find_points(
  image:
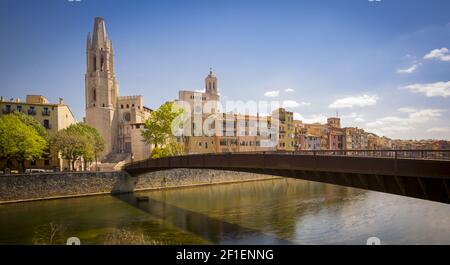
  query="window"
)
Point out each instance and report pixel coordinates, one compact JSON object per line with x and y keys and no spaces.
{"x":127,"y":116}
{"x":94,"y":94}
{"x":19,"y":108}
{"x":95,"y":63}
{"x":206,"y":144}
{"x":199,"y":143}
{"x":128,"y":106}
{"x":47,"y":124}
{"x":46,"y":112}
{"x":121,"y":106}
{"x":31,"y":111}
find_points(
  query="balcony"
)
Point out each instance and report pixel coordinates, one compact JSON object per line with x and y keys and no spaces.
{"x":45,"y":113}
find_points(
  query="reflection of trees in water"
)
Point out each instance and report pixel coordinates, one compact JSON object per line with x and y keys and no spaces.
{"x":211,"y":229}
{"x":274,"y":206}
{"x":123,"y":236}
{"x":49,"y":234}
{"x":55,"y":234}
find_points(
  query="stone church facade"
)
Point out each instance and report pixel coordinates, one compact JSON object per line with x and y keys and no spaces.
{"x":118,"y":119}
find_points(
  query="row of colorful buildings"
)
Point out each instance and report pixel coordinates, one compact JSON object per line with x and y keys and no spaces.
{"x":207,"y":130}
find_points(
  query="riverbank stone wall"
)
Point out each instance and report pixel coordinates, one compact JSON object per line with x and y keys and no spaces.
{"x":42,"y":186}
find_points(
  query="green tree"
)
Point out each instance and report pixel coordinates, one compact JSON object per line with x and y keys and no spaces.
{"x":77,"y":141}
{"x":30,"y":121}
{"x":70,"y":145}
{"x":20,"y":141}
{"x":172,"y":148}
{"x":158,"y":130}
{"x":96,"y":144}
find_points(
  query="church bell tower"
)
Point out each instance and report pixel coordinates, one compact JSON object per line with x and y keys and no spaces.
{"x":101,"y":87}
{"x":211,"y":85}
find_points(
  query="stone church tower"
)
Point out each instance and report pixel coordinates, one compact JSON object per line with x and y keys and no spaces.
{"x":101,"y":87}
{"x":211,"y":86}
{"x":118,"y":119}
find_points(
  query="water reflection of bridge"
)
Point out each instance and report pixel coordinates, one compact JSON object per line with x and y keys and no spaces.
{"x":423,"y":174}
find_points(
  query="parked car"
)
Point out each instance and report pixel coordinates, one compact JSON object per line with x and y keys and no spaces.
{"x":35,"y":170}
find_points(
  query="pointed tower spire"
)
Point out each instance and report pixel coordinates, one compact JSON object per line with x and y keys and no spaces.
{"x":99,"y":36}
{"x":88,"y":41}
{"x":101,"y":86}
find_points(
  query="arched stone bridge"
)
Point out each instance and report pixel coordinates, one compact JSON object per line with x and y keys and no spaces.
{"x":423,"y":174}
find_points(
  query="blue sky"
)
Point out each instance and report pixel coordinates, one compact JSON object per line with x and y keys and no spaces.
{"x":383,"y":66}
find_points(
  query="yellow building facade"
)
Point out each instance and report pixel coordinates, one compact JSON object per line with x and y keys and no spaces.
{"x":52,"y":116}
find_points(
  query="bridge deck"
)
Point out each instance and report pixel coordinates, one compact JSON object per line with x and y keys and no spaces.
{"x":414,"y":177}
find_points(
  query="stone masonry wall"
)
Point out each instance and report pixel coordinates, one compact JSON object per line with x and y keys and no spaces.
{"x":16,"y":188}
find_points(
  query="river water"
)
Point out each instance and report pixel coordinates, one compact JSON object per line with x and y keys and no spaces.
{"x":280,"y":211}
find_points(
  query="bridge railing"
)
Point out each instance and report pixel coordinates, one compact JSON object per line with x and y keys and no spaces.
{"x":393,"y":154}
{"x":404,"y":154}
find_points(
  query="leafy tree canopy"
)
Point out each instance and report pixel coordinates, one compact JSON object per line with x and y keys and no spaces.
{"x":158,"y":130}
{"x":20,"y":141}
{"x":77,"y":141}
{"x":29,"y":120}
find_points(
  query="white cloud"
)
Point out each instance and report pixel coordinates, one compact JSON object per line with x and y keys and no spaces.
{"x":272,"y":94}
{"x":294,"y":104}
{"x":439,"y":89}
{"x":396,"y":124}
{"x":350,"y":102}
{"x":318,"y":118}
{"x":355,"y":116}
{"x":439,"y":130}
{"x":409,"y":70}
{"x":289,"y":90}
{"x":394,"y":128}
{"x":407,"y":110}
{"x":439,"y":54}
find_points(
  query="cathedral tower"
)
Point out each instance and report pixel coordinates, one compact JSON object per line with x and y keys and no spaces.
{"x":211,"y":85}
{"x":101,"y":87}
{"x":211,"y":93}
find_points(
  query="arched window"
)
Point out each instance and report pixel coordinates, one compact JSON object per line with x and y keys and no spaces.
{"x":95,"y":63}
{"x":94,"y":94}
{"x":102,"y":62}
{"x":214,"y":85}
